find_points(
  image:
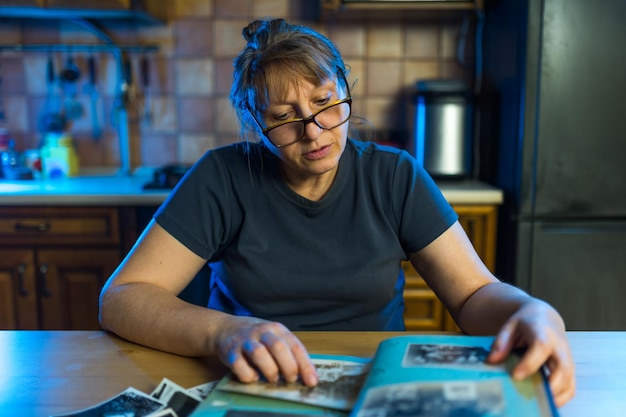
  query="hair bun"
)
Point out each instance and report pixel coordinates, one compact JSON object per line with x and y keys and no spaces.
{"x":260,"y":28}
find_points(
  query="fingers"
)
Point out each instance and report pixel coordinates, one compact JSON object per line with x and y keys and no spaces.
{"x":270,"y":351}
{"x":562,"y":382}
{"x":544,"y":345}
{"x":292,"y":358}
{"x":503,"y":344}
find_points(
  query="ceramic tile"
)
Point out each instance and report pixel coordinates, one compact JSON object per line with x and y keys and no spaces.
{"x":420,"y":70}
{"x":226,"y":120}
{"x":224,"y":139}
{"x":356,"y":76}
{"x":422,"y":41}
{"x":228,"y":40}
{"x":236,"y":9}
{"x":193,"y":37}
{"x":10,"y":32}
{"x":449,"y":44}
{"x":193,"y":146}
{"x":358,"y":109}
{"x":194,"y":8}
{"x":15,"y":113}
{"x":108,"y":75}
{"x":161,"y":75}
{"x":452,"y":69}
{"x":385,"y":41}
{"x":39,"y":31}
{"x":160,"y":35}
{"x":194,"y":77}
{"x":25,"y":141}
{"x":195,"y":114}
{"x":157,"y":150}
{"x":304,"y":10}
{"x":83,"y":124}
{"x":383,"y":78}
{"x":383,"y":113}
{"x":270,"y":8}
{"x":223,"y":75}
{"x":350,"y":39}
{"x":164,"y":118}
{"x":12,"y":71}
{"x":192,"y":71}
{"x":93,"y":153}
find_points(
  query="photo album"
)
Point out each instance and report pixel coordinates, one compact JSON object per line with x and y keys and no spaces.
{"x":412,"y":375}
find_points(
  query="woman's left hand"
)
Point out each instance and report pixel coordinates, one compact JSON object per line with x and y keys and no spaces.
{"x":539,"y":329}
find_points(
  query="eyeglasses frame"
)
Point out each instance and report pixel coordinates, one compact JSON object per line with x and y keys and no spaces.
{"x":306,"y":120}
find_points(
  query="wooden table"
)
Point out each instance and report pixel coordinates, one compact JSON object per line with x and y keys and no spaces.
{"x":53,"y":372}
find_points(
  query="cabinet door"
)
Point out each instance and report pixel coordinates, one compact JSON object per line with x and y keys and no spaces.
{"x":18,"y":293}
{"x":423,"y":310}
{"x":70,"y":281}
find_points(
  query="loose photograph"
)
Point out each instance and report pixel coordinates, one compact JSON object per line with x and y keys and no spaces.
{"x":339,"y":384}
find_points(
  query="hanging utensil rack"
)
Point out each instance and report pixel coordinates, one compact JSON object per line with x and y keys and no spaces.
{"x":119,"y":52}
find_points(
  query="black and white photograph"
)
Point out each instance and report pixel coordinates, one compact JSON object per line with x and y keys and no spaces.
{"x":444,"y":355}
{"x":176,"y":397}
{"x":130,"y":402}
{"x":435,"y":399}
{"x":338,"y":386}
{"x":203,"y":390}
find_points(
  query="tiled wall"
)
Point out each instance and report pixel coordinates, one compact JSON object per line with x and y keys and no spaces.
{"x":190,"y":75}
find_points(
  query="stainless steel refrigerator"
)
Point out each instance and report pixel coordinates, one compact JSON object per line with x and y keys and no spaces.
{"x":553,"y":136}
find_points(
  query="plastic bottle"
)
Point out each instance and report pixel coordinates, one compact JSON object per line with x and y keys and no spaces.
{"x":58,"y":156}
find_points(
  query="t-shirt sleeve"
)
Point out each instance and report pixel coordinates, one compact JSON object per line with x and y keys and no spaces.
{"x":199,"y":212}
{"x":424,"y":213}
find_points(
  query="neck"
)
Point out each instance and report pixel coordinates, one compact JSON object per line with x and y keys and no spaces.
{"x":313,"y":188}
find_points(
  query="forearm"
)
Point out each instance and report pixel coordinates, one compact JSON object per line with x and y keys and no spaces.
{"x":151,"y":316}
{"x":488,"y":308}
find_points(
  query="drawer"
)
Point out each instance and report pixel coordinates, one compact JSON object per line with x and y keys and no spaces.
{"x":59,"y":226}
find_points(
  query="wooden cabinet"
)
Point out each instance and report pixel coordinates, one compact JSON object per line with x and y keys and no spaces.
{"x":53,"y":263}
{"x":423,"y":310}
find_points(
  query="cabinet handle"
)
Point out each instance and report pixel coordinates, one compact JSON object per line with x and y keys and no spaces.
{"x":20,"y":279}
{"x":25,"y":227}
{"x":45,"y":291}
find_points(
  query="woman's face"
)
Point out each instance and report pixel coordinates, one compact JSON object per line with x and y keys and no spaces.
{"x":318,"y":152}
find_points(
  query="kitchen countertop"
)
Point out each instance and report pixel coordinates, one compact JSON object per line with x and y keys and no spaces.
{"x":118,"y":190}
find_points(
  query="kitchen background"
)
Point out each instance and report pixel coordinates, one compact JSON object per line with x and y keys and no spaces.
{"x":185,"y":109}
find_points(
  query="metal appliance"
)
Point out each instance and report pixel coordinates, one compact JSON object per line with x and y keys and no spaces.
{"x":444,"y":127}
{"x":558,"y":69}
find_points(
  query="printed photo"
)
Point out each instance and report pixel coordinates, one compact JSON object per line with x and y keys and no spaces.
{"x":130,"y":402}
{"x":338,"y":386}
{"x":433,"y":354}
{"x":443,"y":399}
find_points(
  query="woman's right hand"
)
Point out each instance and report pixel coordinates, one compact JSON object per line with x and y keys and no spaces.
{"x":253,"y":348}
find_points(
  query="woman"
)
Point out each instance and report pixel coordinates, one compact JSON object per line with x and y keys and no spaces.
{"x":305,"y":229}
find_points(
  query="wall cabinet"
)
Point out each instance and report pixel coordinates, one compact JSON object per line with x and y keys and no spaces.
{"x":53,"y":263}
{"x":423,"y":310}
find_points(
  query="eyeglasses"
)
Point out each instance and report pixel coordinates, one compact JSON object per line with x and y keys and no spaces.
{"x":291,"y":131}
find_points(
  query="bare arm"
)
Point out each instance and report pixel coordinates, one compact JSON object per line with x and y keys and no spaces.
{"x":139,"y":302}
{"x":481,"y":304}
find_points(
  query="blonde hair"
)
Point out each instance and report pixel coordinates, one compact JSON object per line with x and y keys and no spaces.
{"x":276,"y":56}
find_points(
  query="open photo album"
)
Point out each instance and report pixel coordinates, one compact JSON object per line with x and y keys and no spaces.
{"x":412,"y":375}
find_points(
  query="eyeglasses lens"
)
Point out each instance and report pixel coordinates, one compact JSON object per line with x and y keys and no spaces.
{"x":329,"y":118}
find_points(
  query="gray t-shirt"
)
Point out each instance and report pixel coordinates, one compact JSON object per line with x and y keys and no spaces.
{"x":332,"y":264}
